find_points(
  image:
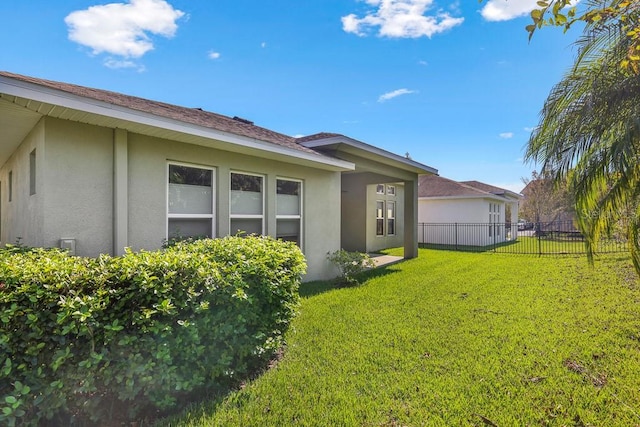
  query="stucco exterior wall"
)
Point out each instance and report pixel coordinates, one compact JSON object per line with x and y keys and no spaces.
{"x":22,"y":217}
{"x":375,"y":242}
{"x":147,"y":199}
{"x":354,"y":208}
{"x":459,"y":222}
{"x":78,"y":186}
{"x":75,"y":192}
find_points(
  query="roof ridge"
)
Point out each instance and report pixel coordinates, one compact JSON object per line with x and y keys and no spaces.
{"x":196,"y":116}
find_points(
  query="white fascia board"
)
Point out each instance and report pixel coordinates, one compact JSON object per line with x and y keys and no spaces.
{"x":370,"y":149}
{"x":75,"y":102}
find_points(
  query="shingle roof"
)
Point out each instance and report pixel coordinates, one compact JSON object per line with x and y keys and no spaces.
{"x":488,"y":188}
{"x":316,"y":136}
{"x":193,"y":116}
{"x":484,"y":187}
{"x":437,"y":186}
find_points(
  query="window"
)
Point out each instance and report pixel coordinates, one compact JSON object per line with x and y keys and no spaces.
{"x":10,"y":185}
{"x":391,"y":218}
{"x":380,"y":189}
{"x":247,"y":203}
{"x":190,"y":202}
{"x":32,"y":173}
{"x":289,"y":210}
{"x":391,"y":190}
{"x":379,"y":218}
{"x":494,"y":219}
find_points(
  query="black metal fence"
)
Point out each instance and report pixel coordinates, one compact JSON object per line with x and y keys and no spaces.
{"x":543,"y":238}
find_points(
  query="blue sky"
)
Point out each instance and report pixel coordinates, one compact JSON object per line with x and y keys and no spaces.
{"x":456,"y":84}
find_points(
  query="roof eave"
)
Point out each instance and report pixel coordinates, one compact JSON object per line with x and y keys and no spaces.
{"x":399,"y":161}
{"x":32,"y":91}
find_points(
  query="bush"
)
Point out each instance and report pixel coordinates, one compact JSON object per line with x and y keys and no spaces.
{"x":350,"y":265}
{"x":111,"y":338}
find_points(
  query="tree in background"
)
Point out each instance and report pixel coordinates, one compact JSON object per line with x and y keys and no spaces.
{"x":621,"y":15}
{"x":545,"y":200}
{"x":589,"y":131}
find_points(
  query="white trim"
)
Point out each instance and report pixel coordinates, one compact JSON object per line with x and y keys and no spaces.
{"x":341,"y":139}
{"x":299,"y":217}
{"x":214,"y":194}
{"x":248,"y":216}
{"x":387,"y":217}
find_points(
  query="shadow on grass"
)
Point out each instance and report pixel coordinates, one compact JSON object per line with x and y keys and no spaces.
{"x":310,"y":289}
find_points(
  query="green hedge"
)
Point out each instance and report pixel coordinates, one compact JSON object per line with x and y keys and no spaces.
{"x":115,"y":337}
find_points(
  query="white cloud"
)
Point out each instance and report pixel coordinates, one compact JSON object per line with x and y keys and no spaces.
{"x":529,"y":129}
{"x":118,"y":63}
{"x":400,"y":19}
{"x":213,"y":55}
{"x":390,"y":95}
{"x":421,"y":62}
{"x":263,"y":44}
{"x":123,"y":29}
{"x":504,"y":10}
{"x":506,"y":135}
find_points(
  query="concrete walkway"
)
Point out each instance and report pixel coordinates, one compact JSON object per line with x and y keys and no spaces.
{"x":383,"y":260}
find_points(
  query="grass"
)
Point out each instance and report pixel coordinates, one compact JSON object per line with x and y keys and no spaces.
{"x":455,"y":339}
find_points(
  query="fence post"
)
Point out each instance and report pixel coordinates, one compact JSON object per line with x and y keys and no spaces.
{"x":539,"y":235}
{"x":456,"y":234}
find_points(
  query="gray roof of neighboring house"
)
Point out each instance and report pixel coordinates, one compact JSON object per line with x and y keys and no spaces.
{"x":438,"y":187}
{"x":491,"y":188}
{"x":194,"y":116}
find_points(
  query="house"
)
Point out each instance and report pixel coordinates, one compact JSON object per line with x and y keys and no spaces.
{"x":475,"y":213}
{"x":96,"y":172}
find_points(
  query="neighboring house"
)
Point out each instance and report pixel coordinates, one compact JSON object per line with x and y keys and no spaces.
{"x":97,"y":171}
{"x":476,"y":212}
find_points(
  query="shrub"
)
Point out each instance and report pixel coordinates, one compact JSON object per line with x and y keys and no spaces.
{"x":350,"y":265}
{"x":111,"y":338}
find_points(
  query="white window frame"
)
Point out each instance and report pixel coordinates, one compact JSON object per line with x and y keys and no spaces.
{"x":391,"y":190}
{"x":248,"y":216}
{"x":380,"y":217}
{"x":494,"y":219}
{"x":210,"y":216}
{"x":380,"y":189}
{"x":391,"y":218}
{"x":300,"y":216}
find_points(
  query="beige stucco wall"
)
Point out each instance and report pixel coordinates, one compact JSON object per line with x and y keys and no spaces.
{"x":147,"y":199}
{"x":20,"y":217}
{"x":354,"y":206}
{"x":75,"y":192}
{"x":78,"y":186}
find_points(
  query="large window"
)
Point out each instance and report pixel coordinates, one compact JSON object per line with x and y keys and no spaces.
{"x":190,"y":202}
{"x":391,"y":218}
{"x":247,"y":203}
{"x":379,"y":218}
{"x":289,"y":210}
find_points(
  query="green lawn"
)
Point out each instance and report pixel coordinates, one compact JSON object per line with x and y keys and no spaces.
{"x":453,"y":339}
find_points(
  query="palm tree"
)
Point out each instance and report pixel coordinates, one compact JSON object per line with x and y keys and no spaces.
{"x":589,"y":135}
